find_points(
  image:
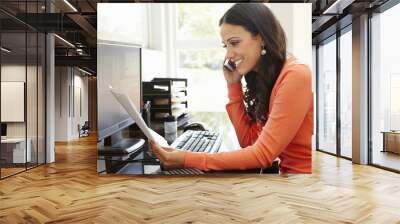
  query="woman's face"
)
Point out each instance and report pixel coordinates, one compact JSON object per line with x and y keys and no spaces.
{"x":241,"y":47}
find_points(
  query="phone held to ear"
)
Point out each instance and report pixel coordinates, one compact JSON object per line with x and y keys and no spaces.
{"x":230,"y":65}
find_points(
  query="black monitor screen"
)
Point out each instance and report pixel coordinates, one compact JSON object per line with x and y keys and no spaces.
{"x":3,"y":129}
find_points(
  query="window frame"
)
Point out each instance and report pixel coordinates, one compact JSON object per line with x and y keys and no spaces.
{"x":334,"y":37}
{"x":371,"y":14}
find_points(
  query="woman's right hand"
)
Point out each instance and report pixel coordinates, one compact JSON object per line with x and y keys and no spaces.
{"x":231,"y":77}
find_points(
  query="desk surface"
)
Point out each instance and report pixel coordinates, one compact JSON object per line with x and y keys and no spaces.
{"x":390,"y":132}
{"x":13,"y":140}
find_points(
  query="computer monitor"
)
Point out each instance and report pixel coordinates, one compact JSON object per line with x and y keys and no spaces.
{"x":3,"y":129}
{"x":119,"y":66}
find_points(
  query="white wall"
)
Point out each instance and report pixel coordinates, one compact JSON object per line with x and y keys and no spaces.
{"x":33,"y":126}
{"x":156,"y":28}
{"x":62,"y":81}
{"x":67,"y":115}
{"x":295,"y":20}
{"x":302,"y":32}
{"x":14,"y":73}
{"x":153,"y":64}
{"x":314,"y":89}
{"x":284,"y":13}
{"x":80,"y":83}
{"x":157,"y":44}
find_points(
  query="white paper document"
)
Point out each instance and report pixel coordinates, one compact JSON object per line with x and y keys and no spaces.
{"x":126,"y":103}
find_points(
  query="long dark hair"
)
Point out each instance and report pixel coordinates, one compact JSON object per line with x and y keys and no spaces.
{"x":258,"y":19}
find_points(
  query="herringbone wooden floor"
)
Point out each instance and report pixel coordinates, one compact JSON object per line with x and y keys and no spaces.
{"x":70,"y":191}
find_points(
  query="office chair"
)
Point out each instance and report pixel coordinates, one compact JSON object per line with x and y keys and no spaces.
{"x":84,"y":130}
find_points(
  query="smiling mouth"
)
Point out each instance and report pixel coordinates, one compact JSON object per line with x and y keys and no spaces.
{"x":237,"y":63}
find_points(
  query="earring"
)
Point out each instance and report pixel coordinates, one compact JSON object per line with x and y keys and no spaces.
{"x":263,"y":51}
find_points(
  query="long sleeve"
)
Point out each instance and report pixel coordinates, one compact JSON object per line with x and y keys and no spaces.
{"x":247,"y":133}
{"x":290,"y":106}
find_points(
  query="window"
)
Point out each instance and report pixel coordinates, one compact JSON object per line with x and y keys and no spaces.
{"x":327,"y":96}
{"x":199,"y":54}
{"x":394,"y":101}
{"x":203,"y":71}
{"x":385,"y":87}
{"x":192,"y":25}
{"x":22,"y":65}
{"x":346,"y":93}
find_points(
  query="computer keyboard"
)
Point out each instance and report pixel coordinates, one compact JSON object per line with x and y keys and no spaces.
{"x":198,"y":141}
{"x":195,"y":141}
{"x":210,"y":142}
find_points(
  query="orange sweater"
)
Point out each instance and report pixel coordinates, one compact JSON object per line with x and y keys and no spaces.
{"x":286,"y":134}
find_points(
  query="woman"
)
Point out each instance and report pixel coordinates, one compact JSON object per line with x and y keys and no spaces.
{"x":274,"y":116}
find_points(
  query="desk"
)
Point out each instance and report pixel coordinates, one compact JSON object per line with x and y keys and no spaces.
{"x":132,"y":163}
{"x":216,"y":121}
{"x":13,"y":150}
{"x":391,"y":141}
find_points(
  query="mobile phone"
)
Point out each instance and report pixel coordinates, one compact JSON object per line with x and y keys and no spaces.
{"x":230,"y":65}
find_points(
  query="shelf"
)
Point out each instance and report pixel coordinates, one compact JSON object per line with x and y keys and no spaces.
{"x":168,"y":96}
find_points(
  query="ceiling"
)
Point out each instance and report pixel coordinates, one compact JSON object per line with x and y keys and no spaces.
{"x":76,"y":24}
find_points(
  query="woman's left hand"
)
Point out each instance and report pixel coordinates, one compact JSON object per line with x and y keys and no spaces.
{"x":170,"y":158}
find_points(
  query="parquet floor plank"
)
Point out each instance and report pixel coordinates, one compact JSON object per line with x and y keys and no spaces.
{"x":70,"y":191}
